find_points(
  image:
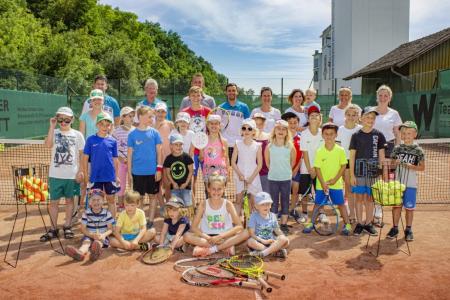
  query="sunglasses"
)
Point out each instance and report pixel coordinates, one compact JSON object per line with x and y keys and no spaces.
{"x":63,"y":120}
{"x":98,"y":192}
{"x":246,"y":128}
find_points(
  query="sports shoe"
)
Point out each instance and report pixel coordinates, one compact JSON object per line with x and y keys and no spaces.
{"x":200,"y":251}
{"x":370,"y":229}
{"x":323,"y":218}
{"x":346,"y":229}
{"x":74,"y":253}
{"x":294,"y":213}
{"x":96,"y":250}
{"x":377,"y":222}
{"x":303,"y":218}
{"x":308,"y":228}
{"x":409,"y":235}
{"x":257,"y":253}
{"x":392,"y":233}
{"x":358,"y":229}
{"x":284,"y":228}
{"x":282,"y":253}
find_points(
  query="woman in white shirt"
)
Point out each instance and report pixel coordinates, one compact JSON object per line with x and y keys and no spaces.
{"x":297,"y":98}
{"x":337,"y":112}
{"x":271,"y":113}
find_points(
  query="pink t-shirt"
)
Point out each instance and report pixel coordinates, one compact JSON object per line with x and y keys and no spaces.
{"x":214,"y":159}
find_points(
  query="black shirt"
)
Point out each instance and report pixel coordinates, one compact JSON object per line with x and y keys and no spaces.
{"x":179,"y":167}
{"x":367,"y":146}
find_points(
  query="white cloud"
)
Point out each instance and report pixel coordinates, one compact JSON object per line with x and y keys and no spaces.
{"x":427,"y":17}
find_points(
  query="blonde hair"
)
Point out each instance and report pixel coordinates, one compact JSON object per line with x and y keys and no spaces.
{"x":182,"y":210}
{"x":345,"y":89}
{"x":355,"y":107}
{"x":150,"y":82}
{"x":216,"y":177}
{"x":132,"y":197}
{"x":195,"y":89}
{"x":384,"y":88}
{"x":312,"y":90}
{"x":143,"y":110}
{"x":287,"y":139}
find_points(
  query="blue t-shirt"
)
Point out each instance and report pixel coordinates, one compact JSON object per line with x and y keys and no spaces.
{"x":110,"y":105}
{"x":238,"y":113}
{"x":144,"y":143}
{"x":153,"y":105}
{"x":173,"y":228}
{"x":263,"y":227}
{"x":239,"y":106}
{"x":101,"y":152}
{"x":90,"y":124}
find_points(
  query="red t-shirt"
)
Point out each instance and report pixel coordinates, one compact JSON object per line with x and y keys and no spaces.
{"x":198,"y":120}
{"x":298,"y":152}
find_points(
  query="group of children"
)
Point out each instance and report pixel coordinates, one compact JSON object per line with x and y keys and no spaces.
{"x":157,"y":158}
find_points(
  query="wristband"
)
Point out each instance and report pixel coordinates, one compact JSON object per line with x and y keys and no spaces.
{"x":159,"y":169}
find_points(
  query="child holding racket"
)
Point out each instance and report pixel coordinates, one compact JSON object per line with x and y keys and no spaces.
{"x":178,"y":170}
{"x":145,"y":159}
{"x":120,"y":133}
{"x":330,"y":163}
{"x":366,"y":153}
{"x":214,"y":156}
{"x":345,"y":132}
{"x":280,"y":159}
{"x":412,"y":158}
{"x":130,"y":232}
{"x":176,"y":224}
{"x":101,"y":149}
{"x":216,"y":226}
{"x":96,"y":226}
{"x":266,"y":238}
{"x":246,"y":169}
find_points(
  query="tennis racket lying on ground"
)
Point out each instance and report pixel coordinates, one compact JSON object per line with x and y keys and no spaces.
{"x":325,"y":218}
{"x":156,"y":255}
{"x":200,"y":276}
{"x":224,"y":114}
{"x":184,"y":264}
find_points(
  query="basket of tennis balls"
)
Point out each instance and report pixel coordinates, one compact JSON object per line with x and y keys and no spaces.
{"x":388,"y":193}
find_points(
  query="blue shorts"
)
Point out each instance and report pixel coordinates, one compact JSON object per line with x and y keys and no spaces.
{"x":110,"y":187}
{"x":197,"y":164}
{"x":129,"y":236}
{"x":360,"y":189}
{"x":409,"y":198}
{"x":105,"y":242}
{"x":296,"y":178}
{"x":337,"y":197}
{"x":185,"y":195}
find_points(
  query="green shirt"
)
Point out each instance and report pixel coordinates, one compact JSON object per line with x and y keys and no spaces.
{"x":329,"y":163}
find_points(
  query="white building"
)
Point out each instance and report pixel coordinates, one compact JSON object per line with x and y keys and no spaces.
{"x":361,"y":31}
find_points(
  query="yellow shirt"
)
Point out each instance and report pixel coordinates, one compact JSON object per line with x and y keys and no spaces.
{"x":329,"y":163}
{"x":131,"y":225}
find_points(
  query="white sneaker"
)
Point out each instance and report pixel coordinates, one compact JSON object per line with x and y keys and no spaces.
{"x":378,"y":211}
{"x":323,"y":218}
{"x":303,"y":218}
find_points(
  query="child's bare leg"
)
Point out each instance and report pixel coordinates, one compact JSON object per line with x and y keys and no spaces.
{"x":251,"y":202}
{"x":359,"y":207}
{"x":195,"y":240}
{"x":53,"y":212}
{"x":370,"y":207}
{"x":152,"y":207}
{"x":255,"y":245}
{"x":349,"y":195}
{"x":115,"y":243}
{"x":280,"y":243}
{"x":69,"y":212}
{"x":409,"y":216}
{"x":294,"y":195}
{"x":141,"y":202}
{"x":85,"y":246}
{"x":396,"y":213}
{"x":234,"y":240}
{"x":344,"y":215}
{"x":112,"y":205}
{"x":179,"y":242}
{"x":148,"y":236}
{"x":238,"y":203}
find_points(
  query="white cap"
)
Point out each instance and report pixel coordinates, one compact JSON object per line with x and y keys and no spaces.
{"x":161,"y":106}
{"x":249,"y":122}
{"x":281,"y":123}
{"x":96,"y":94}
{"x":262,"y":197}
{"x":126,"y":110}
{"x":67,"y":111}
{"x":183,"y":116}
{"x":212,"y":118}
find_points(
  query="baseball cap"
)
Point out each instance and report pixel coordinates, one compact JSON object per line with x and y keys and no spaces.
{"x":96,"y":94}
{"x":259,"y":115}
{"x":212,"y":118}
{"x":176,"y":138}
{"x":174,"y":201}
{"x":313,"y":109}
{"x":409,"y":124}
{"x":249,"y":122}
{"x":330,"y":125}
{"x":262,"y":197}
{"x":281,"y":123}
{"x":161,"y":106}
{"x":289,"y":115}
{"x":369,"y":109}
{"x":67,"y":111}
{"x":104,"y":116}
{"x":126,"y":110}
{"x":183,"y":116}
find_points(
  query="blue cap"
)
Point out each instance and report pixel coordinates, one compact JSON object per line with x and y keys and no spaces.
{"x":263,"y":197}
{"x":176,"y":138}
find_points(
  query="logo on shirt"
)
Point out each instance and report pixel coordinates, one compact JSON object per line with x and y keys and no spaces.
{"x":139,"y":142}
{"x":177,"y":170}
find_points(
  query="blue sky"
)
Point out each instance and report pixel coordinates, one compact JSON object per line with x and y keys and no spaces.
{"x":257,"y":42}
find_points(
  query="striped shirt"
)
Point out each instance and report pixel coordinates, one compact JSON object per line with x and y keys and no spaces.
{"x":121,"y":136}
{"x":94,"y":221}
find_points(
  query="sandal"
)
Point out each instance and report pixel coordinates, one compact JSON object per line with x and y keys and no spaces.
{"x":68,"y":233}
{"x":96,"y":250}
{"x":51,"y":234}
{"x":74,"y":253}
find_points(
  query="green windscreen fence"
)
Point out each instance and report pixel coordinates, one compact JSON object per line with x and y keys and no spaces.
{"x":26,"y":114}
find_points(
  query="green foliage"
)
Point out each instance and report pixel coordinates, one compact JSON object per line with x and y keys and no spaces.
{"x":77,"y":39}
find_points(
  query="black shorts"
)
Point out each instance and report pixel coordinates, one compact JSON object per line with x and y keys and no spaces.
{"x":230,"y":154}
{"x":145,"y":184}
{"x":348,"y":164}
{"x":304,"y":183}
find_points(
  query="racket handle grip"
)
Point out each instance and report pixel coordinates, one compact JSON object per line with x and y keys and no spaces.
{"x":251,"y":285}
{"x":265,"y":285}
{"x":276,"y":275}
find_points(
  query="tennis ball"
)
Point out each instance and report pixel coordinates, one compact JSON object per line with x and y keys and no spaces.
{"x":402,"y":187}
{"x":37,"y":181}
{"x":398,"y":200}
{"x":44,"y":195}
{"x":30,"y":198}
{"x":44,"y":186}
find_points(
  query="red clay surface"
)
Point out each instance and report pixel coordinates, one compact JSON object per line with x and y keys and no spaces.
{"x":317,"y":267}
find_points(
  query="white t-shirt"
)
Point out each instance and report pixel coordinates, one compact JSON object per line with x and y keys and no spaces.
{"x":345,"y":135}
{"x":386,"y":123}
{"x":271,"y":116}
{"x":66,"y":154}
{"x":303,"y":118}
{"x":338,"y":115}
{"x":187,"y":139}
{"x":310,"y":143}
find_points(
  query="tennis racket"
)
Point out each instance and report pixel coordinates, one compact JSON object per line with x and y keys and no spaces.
{"x":184,"y":264}
{"x":325,"y":218}
{"x":156,"y":255}
{"x":225,"y":116}
{"x":246,"y":206}
{"x":192,"y":277}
